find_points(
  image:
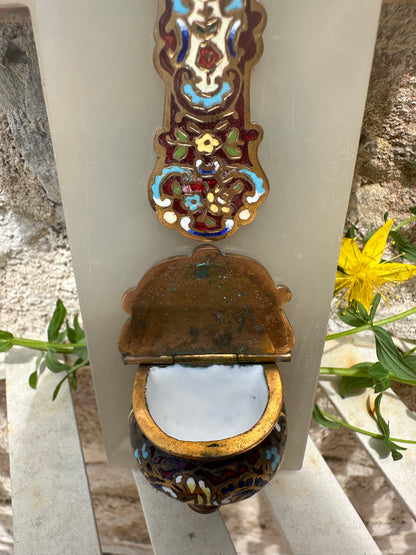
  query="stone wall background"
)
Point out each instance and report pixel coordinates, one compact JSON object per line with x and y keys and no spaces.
{"x":35,"y":262}
{"x":385,"y":172}
{"x":36,"y":269}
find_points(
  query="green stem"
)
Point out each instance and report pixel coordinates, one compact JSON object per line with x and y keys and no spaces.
{"x":404,"y":222}
{"x":353,"y":372}
{"x":370,"y":325}
{"x":409,"y":352}
{"x":64,"y":348}
{"x":365,"y":432}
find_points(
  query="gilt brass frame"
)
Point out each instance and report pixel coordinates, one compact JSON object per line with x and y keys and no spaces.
{"x":209,"y":449}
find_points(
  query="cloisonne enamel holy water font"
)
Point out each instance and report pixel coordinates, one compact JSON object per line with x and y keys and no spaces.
{"x":208,"y":424}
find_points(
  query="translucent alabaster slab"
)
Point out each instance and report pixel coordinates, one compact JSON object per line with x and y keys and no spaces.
{"x":104,"y":102}
{"x":205,"y":404}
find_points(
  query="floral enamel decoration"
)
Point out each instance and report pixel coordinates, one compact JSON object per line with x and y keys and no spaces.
{"x":363,"y":273}
{"x":207,"y":180}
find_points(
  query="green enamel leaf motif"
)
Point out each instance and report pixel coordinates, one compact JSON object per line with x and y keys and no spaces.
{"x":180,"y":152}
{"x":232,"y":151}
{"x":232,"y":136}
{"x":176,"y":188}
{"x":181,"y":135}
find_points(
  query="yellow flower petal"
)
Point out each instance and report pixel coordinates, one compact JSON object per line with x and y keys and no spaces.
{"x":361,"y":273}
{"x":361,"y":291}
{"x":374,"y":248}
{"x":341,"y":281}
{"x":394,"y":272}
{"x":350,"y":255}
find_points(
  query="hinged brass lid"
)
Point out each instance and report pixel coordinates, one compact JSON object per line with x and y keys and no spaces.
{"x":213,"y":305}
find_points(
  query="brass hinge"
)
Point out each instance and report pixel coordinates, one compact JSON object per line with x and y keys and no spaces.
{"x":208,"y":358}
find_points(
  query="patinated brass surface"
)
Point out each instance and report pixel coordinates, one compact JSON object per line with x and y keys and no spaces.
{"x":206,"y":304}
{"x":209,"y":449}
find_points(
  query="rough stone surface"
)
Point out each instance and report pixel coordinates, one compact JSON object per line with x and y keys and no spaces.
{"x":6,"y":521}
{"x":385,"y":173}
{"x":21,"y":97}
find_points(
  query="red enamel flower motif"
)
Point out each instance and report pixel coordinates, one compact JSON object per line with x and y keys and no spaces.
{"x":207,"y":57}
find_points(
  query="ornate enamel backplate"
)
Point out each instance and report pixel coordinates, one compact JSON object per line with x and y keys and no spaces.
{"x":207,"y":180}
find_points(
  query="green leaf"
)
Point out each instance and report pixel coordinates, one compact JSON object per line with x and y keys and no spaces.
{"x":56,"y":322}
{"x":58,"y":387}
{"x":381,"y":423}
{"x":410,"y":361}
{"x":362,"y":312}
{"x":413,"y":209}
{"x":71,"y":333}
{"x":374,"y":306}
{"x":378,"y":371}
{"x":54,"y":364}
{"x":78,"y":329}
{"x":385,"y":216}
{"x":61,"y":337}
{"x":351,"y":231}
{"x":38,"y":361}
{"x":406,"y":249}
{"x":5,"y":345}
{"x":33,"y":379}
{"x":351,"y":318}
{"x":180,"y":152}
{"x":233,"y":136}
{"x":180,"y":135}
{"x":235,"y":152}
{"x":70,"y":376}
{"x":384,"y":428}
{"x":351,"y":383}
{"x":355,"y":315}
{"x":390,"y":357}
{"x":362,"y":366}
{"x":323,"y":420}
{"x":82,"y":353}
{"x":75,"y":334}
{"x":393,"y":448}
{"x":381,"y":377}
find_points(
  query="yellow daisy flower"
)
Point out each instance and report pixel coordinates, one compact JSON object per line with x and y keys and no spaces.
{"x":207,"y":143}
{"x":362,"y":273}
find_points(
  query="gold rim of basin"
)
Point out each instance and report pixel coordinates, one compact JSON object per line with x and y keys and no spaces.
{"x":209,"y":449}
